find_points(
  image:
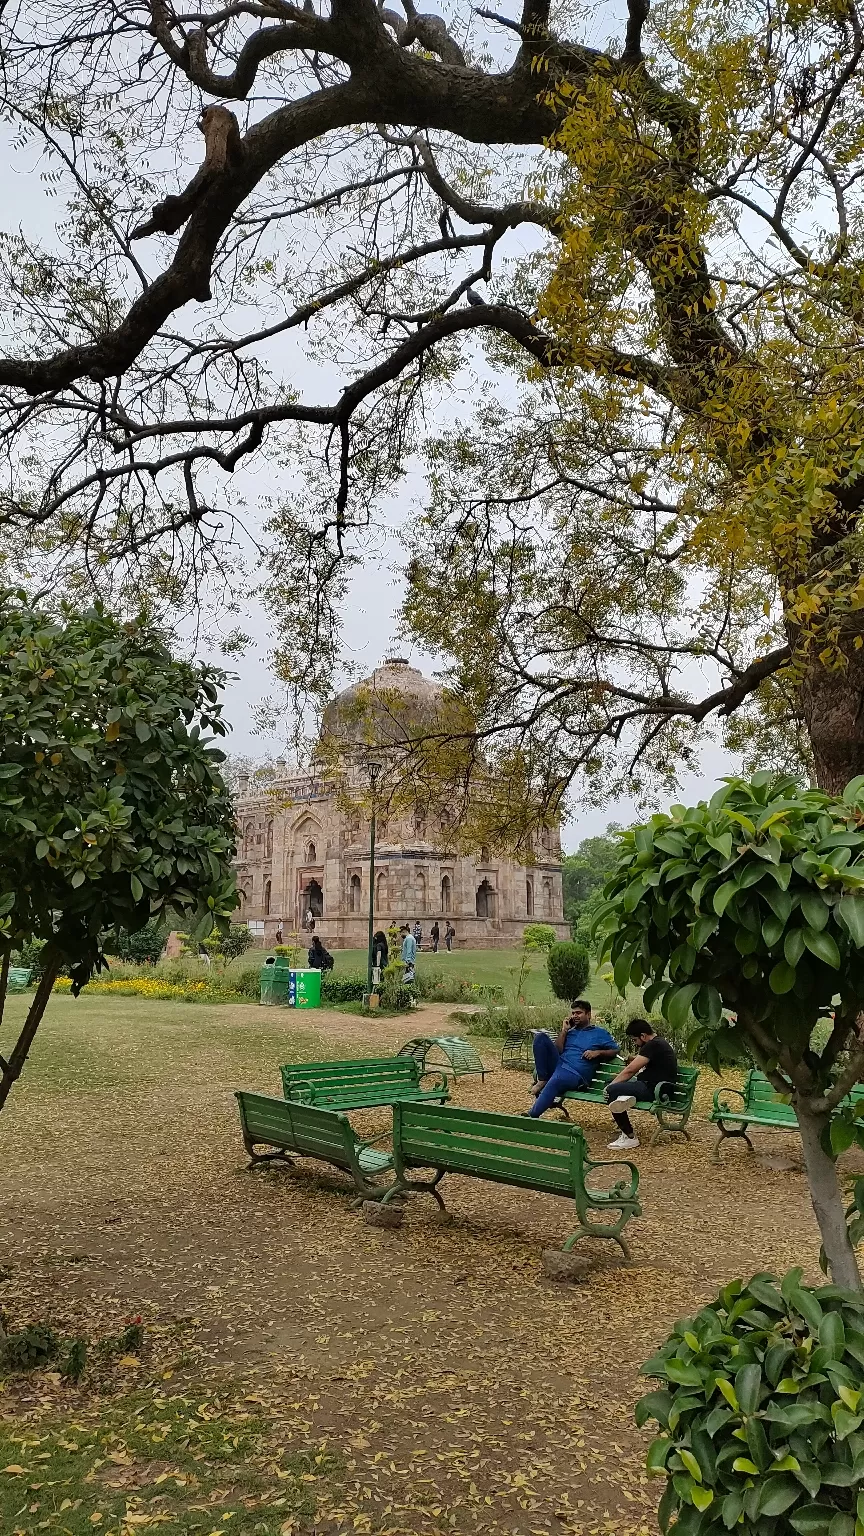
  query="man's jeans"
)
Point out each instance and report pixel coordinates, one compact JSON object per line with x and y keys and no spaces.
{"x":547,"y":1060}
{"x":631,"y":1089}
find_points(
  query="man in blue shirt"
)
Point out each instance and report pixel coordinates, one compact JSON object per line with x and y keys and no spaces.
{"x":570,"y":1061}
{"x":409,"y":952}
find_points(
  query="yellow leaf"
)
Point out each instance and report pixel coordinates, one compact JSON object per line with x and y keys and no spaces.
{"x":95,"y":1518}
{"x":113,"y":731}
{"x":131,"y":1362}
{"x":15,"y":1470}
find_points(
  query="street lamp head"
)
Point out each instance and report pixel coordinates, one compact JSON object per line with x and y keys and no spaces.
{"x":373,"y":769}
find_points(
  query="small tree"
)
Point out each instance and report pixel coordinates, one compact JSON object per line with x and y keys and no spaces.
{"x":755,"y":902}
{"x":112,"y":808}
{"x":569,"y":966}
{"x":143,"y":947}
{"x":227,"y":945}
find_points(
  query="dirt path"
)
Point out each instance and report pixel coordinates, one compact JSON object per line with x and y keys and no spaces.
{"x":466,"y":1391}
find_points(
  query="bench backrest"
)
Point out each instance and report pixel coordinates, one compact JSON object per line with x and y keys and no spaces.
{"x":404,"y":1071}
{"x":759,"y":1093}
{"x":298,"y":1128}
{"x":508,"y":1149}
{"x":460,"y":1055}
{"x":18,"y":977}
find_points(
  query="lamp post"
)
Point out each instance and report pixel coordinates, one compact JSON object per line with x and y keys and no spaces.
{"x":373,"y":770}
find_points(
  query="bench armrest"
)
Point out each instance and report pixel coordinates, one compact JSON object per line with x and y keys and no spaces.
{"x":718,"y":1096}
{"x":626,"y":1192}
{"x":663,"y":1092}
{"x":441,"y":1080}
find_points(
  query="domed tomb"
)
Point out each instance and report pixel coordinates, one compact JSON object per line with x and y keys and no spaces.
{"x":385,"y":709}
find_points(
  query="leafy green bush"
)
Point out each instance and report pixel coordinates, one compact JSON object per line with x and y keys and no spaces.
{"x":342,"y":989}
{"x":145,"y":946}
{"x":569,"y":966}
{"x":761,"y":1412}
{"x":538,"y":936}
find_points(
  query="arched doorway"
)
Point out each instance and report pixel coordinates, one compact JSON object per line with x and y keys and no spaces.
{"x":313,"y":899}
{"x":419,"y":891}
{"x":486,"y":899}
{"x":381,"y":902}
{"x":529,"y":898}
{"x":267,"y":889}
{"x":354,"y":893}
{"x":446,"y":894}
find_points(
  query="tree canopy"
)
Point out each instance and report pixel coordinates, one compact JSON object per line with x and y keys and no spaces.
{"x":112,"y":809}
{"x":657,"y":240}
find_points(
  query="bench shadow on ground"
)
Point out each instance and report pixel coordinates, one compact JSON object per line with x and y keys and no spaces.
{"x":463,"y":1389}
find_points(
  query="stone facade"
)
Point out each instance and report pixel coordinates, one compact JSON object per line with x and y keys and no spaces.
{"x":299,"y":850}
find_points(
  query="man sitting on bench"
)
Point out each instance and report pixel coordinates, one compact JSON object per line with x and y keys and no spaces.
{"x":569,"y":1061}
{"x":655,"y":1062}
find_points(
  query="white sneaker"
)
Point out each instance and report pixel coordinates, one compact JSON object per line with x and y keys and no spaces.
{"x":621,"y":1106}
{"x":624,"y":1144}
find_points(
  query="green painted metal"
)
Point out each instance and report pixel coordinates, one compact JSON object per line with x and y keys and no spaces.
{"x":516,"y":1053}
{"x":671,"y":1105}
{"x":757,"y":1103}
{"x":307,"y":1131}
{"x":460,"y":1056}
{"x":551,"y":1157}
{"x":365,"y":1084}
{"x":18,"y":978}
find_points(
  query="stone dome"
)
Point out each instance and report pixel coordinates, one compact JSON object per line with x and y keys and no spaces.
{"x":384,"y":708}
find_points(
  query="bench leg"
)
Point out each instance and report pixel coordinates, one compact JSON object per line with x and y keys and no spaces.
{"x":725,"y":1135}
{"x":401,"y":1191}
{"x":663,"y":1128}
{"x":257,"y":1158}
{"x":617,"y":1237}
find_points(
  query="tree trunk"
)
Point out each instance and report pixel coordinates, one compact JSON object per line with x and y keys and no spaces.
{"x":827,"y":1198}
{"x":12,"y":1069}
{"x":832,"y":705}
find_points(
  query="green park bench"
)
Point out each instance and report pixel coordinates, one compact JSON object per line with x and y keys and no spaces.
{"x":516,"y":1052}
{"x":671,"y":1105}
{"x":460,"y":1056}
{"x":364,"y":1084}
{"x":548,"y":1156}
{"x":758,"y":1104}
{"x":18,"y":979}
{"x":305,"y":1131}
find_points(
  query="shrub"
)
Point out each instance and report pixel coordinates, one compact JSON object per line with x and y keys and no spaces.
{"x":538,"y":936}
{"x":759,"y":1410}
{"x":569,"y":966}
{"x":145,"y":946}
{"x":498,"y":1023}
{"x":342,"y":989}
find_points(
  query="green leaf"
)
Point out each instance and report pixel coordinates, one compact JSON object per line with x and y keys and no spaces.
{"x":702,"y":1497}
{"x":748,"y":1385}
{"x":658,"y":1451}
{"x":845,"y":1423}
{"x":723,"y":896}
{"x":766,"y":1294}
{"x":850,"y":912}
{"x":814,"y":909}
{"x":772,"y":930}
{"x":78,"y":879}
{"x":676,"y":1003}
{"x":842,"y":1135}
{"x":683,"y":1374}
{"x":728,"y":1391}
{"x":654,"y":1405}
{"x":732,"y":1509}
{"x":691,"y":1464}
{"x":136,"y":887}
{"x":823,"y":947}
{"x":832,"y":1335}
{"x":780,"y":902}
{"x":812,"y":1520}
{"x":805,"y":1303}
{"x":782,"y":977}
{"x":778,"y":1494}
{"x":10,"y":770}
{"x":744,"y":1464}
{"x":793,"y":946}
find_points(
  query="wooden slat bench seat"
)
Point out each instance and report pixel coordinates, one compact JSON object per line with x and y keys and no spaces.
{"x":757,"y":1103}
{"x":671,"y":1105}
{"x":368,"y":1083}
{"x":305,"y":1131}
{"x":551,"y":1157}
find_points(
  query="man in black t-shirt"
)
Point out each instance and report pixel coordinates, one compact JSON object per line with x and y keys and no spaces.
{"x":655,"y":1062}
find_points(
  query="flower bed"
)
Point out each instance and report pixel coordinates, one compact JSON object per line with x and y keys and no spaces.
{"x":157,"y":990}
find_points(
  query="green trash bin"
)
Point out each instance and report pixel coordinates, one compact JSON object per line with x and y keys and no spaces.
{"x":304,"y":990}
{"x":275,"y":982}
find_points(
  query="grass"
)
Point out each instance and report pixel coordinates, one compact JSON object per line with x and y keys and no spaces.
{"x":148,"y":1459}
{"x":88,"y":1044}
{"x":486,"y":967}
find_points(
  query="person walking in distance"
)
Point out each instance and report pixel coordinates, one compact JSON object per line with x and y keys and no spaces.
{"x":449,"y":935}
{"x":408,"y":952}
{"x":435,"y":936}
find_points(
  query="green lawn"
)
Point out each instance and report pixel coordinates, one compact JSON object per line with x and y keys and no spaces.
{"x":487,"y":967}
